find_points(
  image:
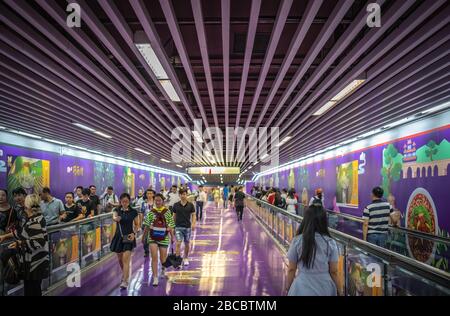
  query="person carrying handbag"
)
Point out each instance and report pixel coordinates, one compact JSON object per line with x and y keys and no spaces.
{"x":124,"y":240}
{"x":31,"y":242}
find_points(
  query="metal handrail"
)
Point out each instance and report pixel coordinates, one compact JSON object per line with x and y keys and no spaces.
{"x":420,"y":268}
{"x":55,"y":228}
{"x":391,"y":227}
{"x":394,"y":228}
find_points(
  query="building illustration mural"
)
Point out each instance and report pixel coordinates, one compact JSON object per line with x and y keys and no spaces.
{"x":413,"y":170}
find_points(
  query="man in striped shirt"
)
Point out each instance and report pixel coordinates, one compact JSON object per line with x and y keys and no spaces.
{"x":377,"y":216}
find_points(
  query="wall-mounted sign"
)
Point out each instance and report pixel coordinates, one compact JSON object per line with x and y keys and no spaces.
{"x":214,"y":170}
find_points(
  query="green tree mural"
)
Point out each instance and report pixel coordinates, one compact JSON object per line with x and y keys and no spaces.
{"x":392,"y":166}
{"x":303,"y":178}
{"x":432,"y":149}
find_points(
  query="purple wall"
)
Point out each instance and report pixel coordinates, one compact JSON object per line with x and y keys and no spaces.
{"x":435,"y":179}
{"x":65,"y":173}
{"x":249,"y":186}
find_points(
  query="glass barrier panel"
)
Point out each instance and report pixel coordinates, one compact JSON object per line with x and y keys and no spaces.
{"x":405,"y":283}
{"x":90,"y":243}
{"x":341,"y":266}
{"x":108,"y":231}
{"x":365,"y":274}
{"x":5,"y":288}
{"x":333,"y":220}
{"x":64,"y":249}
{"x":278,"y":226}
{"x":396,"y":241}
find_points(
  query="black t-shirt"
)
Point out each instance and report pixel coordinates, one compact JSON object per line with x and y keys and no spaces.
{"x":183,"y":218}
{"x":126,"y":220}
{"x":86,"y":208}
{"x":96,"y":202}
{"x":71,"y":212}
{"x":239,"y":198}
{"x":19,"y":215}
{"x":7,"y":219}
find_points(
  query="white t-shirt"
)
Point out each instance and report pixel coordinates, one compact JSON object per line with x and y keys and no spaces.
{"x":202,"y":197}
{"x":173,"y":198}
{"x":291,"y":204}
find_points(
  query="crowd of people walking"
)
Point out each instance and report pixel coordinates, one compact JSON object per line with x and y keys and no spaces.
{"x":165,"y":221}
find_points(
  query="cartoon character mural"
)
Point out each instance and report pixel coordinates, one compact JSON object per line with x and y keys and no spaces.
{"x":162,"y":182}
{"x":152,"y":183}
{"x":31,"y":174}
{"x":128,"y":181}
{"x":291,"y":180}
{"x":104,"y":175}
{"x":347,"y":183}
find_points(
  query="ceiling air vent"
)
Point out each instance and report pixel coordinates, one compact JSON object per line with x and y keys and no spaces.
{"x":259,"y":46}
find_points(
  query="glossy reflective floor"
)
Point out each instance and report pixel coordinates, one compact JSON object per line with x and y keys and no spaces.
{"x":227,"y":258}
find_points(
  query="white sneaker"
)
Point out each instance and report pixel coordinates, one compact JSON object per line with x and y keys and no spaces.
{"x":155,"y":281}
{"x":123,"y":285}
{"x":186,"y":262}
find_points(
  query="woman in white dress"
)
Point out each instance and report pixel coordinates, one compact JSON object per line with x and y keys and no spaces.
{"x":291,"y":202}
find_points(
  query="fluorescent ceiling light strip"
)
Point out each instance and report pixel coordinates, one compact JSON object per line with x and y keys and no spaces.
{"x":325,"y":108}
{"x":179,"y":166}
{"x":26,"y":134}
{"x":143,"y":151}
{"x":87,"y":128}
{"x":165,"y":160}
{"x":102,"y":134}
{"x":78,"y":147}
{"x":152,"y":60}
{"x":55,"y":141}
{"x":352,"y":86}
{"x":170,"y":90}
{"x":349,"y":89}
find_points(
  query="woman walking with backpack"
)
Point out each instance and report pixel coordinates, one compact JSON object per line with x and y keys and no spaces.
{"x":124,"y":240}
{"x":158,"y":232}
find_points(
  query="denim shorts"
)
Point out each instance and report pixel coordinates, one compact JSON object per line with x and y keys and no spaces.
{"x":183,"y":234}
{"x":377,"y":239}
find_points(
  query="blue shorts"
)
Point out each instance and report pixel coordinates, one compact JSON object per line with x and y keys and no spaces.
{"x":377,"y":239}
{"x":183,"y":234}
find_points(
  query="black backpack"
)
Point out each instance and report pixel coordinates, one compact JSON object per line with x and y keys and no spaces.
{"x":317,"y":201}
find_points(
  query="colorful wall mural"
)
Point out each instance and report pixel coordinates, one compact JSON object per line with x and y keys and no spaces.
{"x":412,"y":169}
{"x":33,"y":170}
